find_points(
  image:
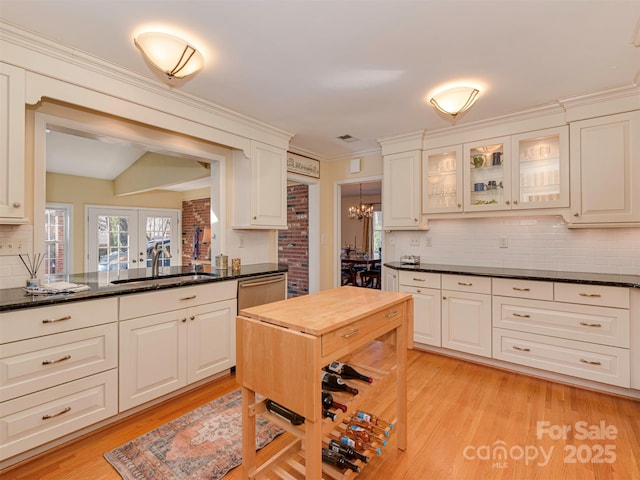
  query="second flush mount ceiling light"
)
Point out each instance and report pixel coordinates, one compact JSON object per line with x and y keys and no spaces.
{"x":173,"y":56}
{"x":454,"y":101}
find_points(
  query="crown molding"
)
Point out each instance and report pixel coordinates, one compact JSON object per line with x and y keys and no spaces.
{"x":210,"y":114}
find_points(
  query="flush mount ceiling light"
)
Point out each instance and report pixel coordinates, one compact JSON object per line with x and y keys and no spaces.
{"x":173,"y":56}
{"x":455,"y":100}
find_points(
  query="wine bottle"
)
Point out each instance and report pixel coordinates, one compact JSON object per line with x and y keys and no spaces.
{"x":357,"y":443}
{"x":284,"y":412}
{"x":335,"y":383}
{"x":365,"y":436}
{"x":337,"y":460}
{"x":347,"y":371}
{"x":349,"y":452}
{"x":329,"y":402}
{"x":368,"y":417}
{"x":329,"y":414}
{"x":375,"y":429}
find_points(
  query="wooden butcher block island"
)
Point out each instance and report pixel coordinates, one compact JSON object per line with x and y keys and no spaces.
{"x":282,"y":348}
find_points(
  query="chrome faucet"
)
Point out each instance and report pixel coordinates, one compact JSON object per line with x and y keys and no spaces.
{"x":155,"y":256}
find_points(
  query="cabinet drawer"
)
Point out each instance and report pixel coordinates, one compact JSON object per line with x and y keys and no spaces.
{"x":511,"y":287}
{"x":592,"y":294}
{"x":599,"y":363}
{"x":420,"y":279}
{"x":41,"y":417}
{"x":139,"y":305}
{"x":466,"y":283}
{"x":35,"y":322}
{"x":38,"y":363}
{"x":607,"y":326}
{"x":354,"y":332}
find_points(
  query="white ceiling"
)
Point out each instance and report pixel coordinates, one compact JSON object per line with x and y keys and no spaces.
{"x":324,"y":68}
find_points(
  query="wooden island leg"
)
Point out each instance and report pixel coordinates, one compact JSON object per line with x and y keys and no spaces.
{"x":248,"y":433}
{"x":401,"y":382}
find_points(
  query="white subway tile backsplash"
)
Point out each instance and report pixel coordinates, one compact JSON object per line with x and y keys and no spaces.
{"x":543,"y":243}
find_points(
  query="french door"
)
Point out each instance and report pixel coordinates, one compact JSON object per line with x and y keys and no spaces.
{"x":123,"y":238}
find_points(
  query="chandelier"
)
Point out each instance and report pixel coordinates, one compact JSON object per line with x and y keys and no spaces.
{"x":360,"y":211}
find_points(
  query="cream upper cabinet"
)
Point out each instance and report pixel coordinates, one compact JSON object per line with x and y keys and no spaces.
{"x":442,"y":180}
{"x":260,"y":188}
{"x":605,"y":169}
{"x":12,"y":139}
{"x":487,"y":174}
{"x":540,"y":169}
{"x":401,"y":191}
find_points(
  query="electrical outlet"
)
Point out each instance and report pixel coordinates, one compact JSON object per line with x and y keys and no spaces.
{"x":414,"y":242}
{"x":240,"y":241}
{"x":503,"y":242}
{"x":427,"y":241}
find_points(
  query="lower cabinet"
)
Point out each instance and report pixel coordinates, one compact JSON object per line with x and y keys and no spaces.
{"x":466,"y":314}
{"x":425,"y":288}
{"x":163,"y":352}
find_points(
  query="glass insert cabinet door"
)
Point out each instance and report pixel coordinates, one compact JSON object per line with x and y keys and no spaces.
{"x":487,"y":166}
{"x":442,"y":180}
{"x":541,"y":178}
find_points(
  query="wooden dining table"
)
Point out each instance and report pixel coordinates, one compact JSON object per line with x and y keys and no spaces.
{"x":352,"y":262}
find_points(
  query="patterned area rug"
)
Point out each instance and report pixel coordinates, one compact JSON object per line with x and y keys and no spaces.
{"x":203,"y":444}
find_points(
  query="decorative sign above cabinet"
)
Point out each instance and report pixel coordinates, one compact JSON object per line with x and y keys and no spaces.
{"x":303,"y":165}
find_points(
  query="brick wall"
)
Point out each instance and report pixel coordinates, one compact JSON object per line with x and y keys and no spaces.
{"x":195,"y":214}
{"x":293,"y":243}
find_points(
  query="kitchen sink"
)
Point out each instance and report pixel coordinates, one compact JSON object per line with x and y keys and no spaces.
{"x":165,"y":279}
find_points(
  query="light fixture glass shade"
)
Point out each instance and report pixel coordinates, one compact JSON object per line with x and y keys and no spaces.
{"x":455,"y":100}
{"x":169,"y":54}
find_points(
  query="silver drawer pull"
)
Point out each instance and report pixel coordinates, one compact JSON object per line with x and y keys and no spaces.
{"x":587,"y":324}
{"x":465,"y":284}
{"x":51,"y":362}
{"x":419,"y":279}
{"x":520,"y":289}
{"x":392,"y":313}
{"x":520,"y":349}
{"x":353,"y":332}
{"x":591,"y":295}
{"x":590,"y":362}
{"x":521,"y":315}
{"x":187,"y":298}
{"x":54,"y":320}
{"x":62,"y":412}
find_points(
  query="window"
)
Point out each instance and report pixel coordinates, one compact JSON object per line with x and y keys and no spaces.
{"x":57,"y":239}
{"x":377,"y":232}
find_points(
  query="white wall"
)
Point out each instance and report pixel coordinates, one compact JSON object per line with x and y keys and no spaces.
{"x":543,"y":243}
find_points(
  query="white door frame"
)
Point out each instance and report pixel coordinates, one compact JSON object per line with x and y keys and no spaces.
{"x":337,"y":221}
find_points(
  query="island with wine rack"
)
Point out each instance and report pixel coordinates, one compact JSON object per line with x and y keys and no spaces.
{"x":282,"y":348}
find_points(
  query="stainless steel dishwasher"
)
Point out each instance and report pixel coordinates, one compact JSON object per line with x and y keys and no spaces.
{"x":261,"y":290}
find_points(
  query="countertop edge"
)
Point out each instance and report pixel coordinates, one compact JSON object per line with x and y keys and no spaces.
{"x":585,"y":278}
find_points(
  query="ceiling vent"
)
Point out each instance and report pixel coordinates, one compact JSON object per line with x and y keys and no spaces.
{"x":347,"y":138}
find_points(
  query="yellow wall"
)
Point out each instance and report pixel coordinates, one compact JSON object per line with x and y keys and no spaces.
{"x":333,"y":172}
{"x":81,"y":191}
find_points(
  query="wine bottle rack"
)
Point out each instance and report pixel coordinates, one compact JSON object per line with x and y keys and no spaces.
{"x":368,"y":330}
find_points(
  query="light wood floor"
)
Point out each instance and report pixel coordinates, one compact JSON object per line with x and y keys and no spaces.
{"x":458,"y":412}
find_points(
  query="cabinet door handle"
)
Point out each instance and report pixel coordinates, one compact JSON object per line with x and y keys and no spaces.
{"x":353,"y":332}
{"x":521,"y":315}
{"x":520,"y":289}
{"x":419,"y":279}
{"x":465,"y":284}
{"x":590,"y":362}
{"x":61,"y":412}
{"x":521,"y":349}
{"x":183,"y":320}
{"x":16,"y":204}
{"x":590,"y":295}
{"x":192,"y":317}
{"x":507,"y":202}
{"x":515,"y":202}
{"x":444,"y":298}
{"x":54,"y":320}
{"x":392,"y":313}
{"x":187,"y":298}
{"x":587,"y":324}
{"x":576,"y":214}
{"x":61,"y":359}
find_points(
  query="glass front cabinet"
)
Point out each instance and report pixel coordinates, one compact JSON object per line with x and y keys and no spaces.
{"x":523,"y":171}
{"x":442,"y":180}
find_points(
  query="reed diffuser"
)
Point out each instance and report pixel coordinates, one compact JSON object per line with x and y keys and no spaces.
{"x":32,"y":266}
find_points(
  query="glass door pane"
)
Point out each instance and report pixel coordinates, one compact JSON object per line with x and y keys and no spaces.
{"x":161,"y":228}
{"x":488,"y":164}
{"x":539,"y":180}
{"x":441,"y":180}
{"x":111,"y":234}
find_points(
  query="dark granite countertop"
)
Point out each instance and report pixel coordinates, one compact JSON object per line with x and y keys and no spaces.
{"x":102,"y":286}
{"x":631,"y":281}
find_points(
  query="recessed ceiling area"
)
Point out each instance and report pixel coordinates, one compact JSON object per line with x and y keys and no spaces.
{"x":321,"y":68}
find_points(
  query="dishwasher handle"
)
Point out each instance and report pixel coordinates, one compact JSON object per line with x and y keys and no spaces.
{"x":263,"y":282}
